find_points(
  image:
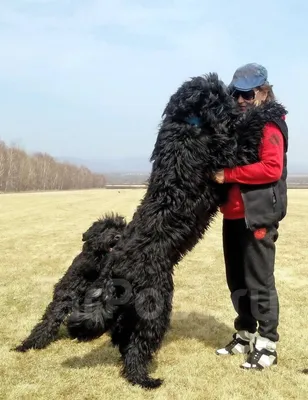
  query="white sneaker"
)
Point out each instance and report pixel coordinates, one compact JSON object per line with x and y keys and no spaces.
{"x":263,"y":354}
{"x":239,"y":345}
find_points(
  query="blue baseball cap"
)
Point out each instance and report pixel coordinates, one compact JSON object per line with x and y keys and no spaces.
{"x":249,"y":76}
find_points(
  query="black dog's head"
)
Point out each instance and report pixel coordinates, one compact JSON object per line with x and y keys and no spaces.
{"x":199,"y":119}
{"x":204,"y":98}
{"x":104,"y":233}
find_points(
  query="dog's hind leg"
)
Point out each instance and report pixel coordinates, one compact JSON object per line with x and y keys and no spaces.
{"x":136,"y":356}
{"x":46,"y":330}
{"x":138,"y":348}
{"x":135,"y":368}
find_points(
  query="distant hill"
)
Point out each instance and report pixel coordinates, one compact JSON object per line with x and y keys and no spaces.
{"x":142,"y":165}
{"x":121,"y":165}
{"x":136,"y":170}
{"x":297,"y":169}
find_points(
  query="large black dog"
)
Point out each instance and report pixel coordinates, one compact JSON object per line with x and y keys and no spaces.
{"x":201,"y":133}
{"x":71,"y":289}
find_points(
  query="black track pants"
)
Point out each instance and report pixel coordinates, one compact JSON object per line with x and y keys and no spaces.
{"x":249,"y":261}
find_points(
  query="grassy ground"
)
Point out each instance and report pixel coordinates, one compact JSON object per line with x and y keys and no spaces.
{"x":41,"y":233}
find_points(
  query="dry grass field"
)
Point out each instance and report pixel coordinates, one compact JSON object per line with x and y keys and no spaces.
{"x":41,"y":233}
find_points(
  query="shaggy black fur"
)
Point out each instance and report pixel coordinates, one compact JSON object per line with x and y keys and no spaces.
{"x":178,"y":207}
{"x":70,"y":291}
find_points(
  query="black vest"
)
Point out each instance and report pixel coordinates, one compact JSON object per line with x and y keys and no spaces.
{"x":266,"y":205}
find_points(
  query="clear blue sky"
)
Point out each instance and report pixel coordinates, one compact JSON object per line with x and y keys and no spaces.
{"x":90,"y":78}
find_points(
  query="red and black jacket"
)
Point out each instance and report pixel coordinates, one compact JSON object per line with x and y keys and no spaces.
{"x":258,"y":192}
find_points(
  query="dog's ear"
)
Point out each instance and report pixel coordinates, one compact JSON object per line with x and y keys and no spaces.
{"x":90,"y":232}
{"x":85,"y":236}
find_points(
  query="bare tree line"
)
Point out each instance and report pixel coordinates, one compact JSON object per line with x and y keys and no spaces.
{"x":20,"y":171}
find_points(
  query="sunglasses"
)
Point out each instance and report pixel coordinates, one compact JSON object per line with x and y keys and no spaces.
{"x":250,"y":95}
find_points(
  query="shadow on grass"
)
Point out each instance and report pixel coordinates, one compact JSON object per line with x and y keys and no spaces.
{"x":204,"y":328}
{"x":105,"y":354}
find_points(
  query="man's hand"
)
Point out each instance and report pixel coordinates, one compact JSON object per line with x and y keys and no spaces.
{"x":219,"y":177}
